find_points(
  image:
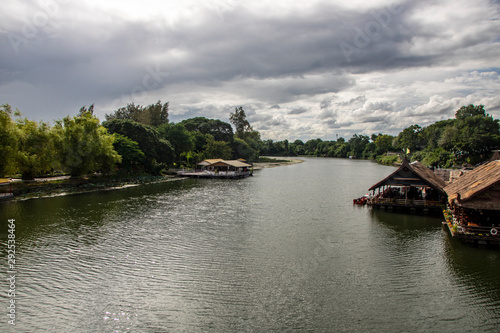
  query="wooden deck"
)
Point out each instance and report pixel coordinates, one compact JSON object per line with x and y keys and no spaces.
{"x":474,"y":234}
{"x":6,"y":195}
{"x":211,"y":174}
{"x":392,"y":203}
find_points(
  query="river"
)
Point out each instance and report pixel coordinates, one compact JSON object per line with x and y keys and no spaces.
{"x":282,"y":251}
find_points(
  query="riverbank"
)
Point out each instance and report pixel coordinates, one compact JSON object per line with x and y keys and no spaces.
{"x":59,"y":186}
{"x":272,"y":163}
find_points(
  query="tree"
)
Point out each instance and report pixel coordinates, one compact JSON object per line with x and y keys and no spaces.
{"x":84,"y":109}
{"x":470,"y":111}
{"x":311,"y":146}
{"x":8,"y":140}
{"x":242,"y":149}
{"x":152,"y":115}
{"x":432,"y":134}
{"x":84,"y":146}
{"x":383,"y":142}
{"x":221,"y":131}
{"x":36,"y":152}
{"x":132,"y":155}
{"x":476,"y":134}
{"x":217,"y":149}
{"x":358,"y":144}
{"x":408,"y":139}
{"x":157,"y":151}
{"x":238,"y":119}
{"x":178,"y":136}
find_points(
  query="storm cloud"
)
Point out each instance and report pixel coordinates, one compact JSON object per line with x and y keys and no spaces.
{"x":297,"y":69}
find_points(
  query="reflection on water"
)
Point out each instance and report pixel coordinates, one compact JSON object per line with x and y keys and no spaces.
{"x":283,"y":250}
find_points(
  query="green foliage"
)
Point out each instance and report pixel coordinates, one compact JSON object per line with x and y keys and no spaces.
{"x":358,"y":144}
{"x":84,"y":110}
{"x":152,"y":115}
{"x":387,"y":160}
{"x":8,"y":140}
{"x":36,"y":153}
{"x":178,"y":136}
{"x":469,"y":111}
{"x":84,"y":146}
{"x":240,"y":122}
{"x":440,"y":157}
{"x":242,"y":149}
{"x":190,"y":158}
{"x":217,"y":149}
{"x":158,"y":152}
{"x":132,"y":155}
{"x":79,"y":145}
{"x":383,"y":143}
{"x":221,"y":131}
{"x":409,"y":140}
{"x":475,"y":135}
{"x":468,"y":138}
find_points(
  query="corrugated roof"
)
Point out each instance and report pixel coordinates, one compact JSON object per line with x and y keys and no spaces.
{"x":474,"y":182}
{"x":419,"y":170}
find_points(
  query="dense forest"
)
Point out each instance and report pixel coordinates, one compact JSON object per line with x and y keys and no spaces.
{"x":140,"y":139}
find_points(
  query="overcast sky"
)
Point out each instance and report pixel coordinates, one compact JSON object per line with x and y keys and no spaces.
{"x":301,"y":70}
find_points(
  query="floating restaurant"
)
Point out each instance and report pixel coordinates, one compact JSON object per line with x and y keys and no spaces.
{"x":412,"y":186}
{"x":219,"y":168}
{"x":473,"y":213}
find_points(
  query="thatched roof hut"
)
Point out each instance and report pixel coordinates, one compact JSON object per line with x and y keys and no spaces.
{"x":477,"y":189}
{"x":412,"y":174}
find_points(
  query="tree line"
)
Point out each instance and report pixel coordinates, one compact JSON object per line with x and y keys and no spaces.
{"x":133,"y":139}
{"x":469,"y":138}
{"x":141,"y":139}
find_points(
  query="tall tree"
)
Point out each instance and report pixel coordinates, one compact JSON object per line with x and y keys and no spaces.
{"x":152,"y":115}
{"x":84,"y":110}
{"x":408,"y":139}
{"x":84,"y":146}
{"x":217,"y":149}
{"x":8,"y":140}
{"x":156,"y":150}
{"x":221,"y":131}
{"x":240,"y":122}
{"x":178,"y":136}
{"x":132,"y":155}
{"x":36,"y":152}
{"x":470,"y":110}
{"x":476,"y":133}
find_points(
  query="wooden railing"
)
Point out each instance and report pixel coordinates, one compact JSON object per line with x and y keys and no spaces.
{"x":478,"y":231}
{"x":404,"y":202}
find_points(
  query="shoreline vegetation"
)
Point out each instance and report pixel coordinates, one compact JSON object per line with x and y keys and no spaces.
{"x":64,"y":185}
{"x":139,"y":145}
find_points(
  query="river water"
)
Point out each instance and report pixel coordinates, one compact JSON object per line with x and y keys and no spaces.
{"x":284,"y":250}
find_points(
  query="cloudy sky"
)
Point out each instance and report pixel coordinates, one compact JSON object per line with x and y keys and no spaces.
{"x":300,"y":70}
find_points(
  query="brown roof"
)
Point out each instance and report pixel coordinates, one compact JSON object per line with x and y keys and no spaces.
{"x":210,"y":161}
{"x":424,"y":174}
{"x":221,"y":162}
{"x":233,"y":163}
{"x":466,"y":190}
